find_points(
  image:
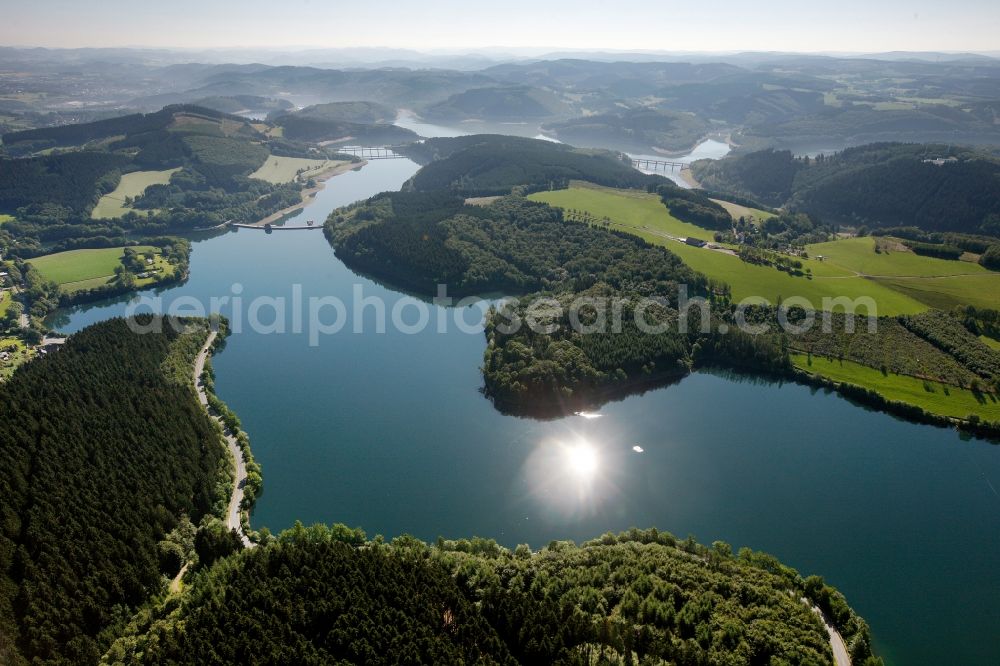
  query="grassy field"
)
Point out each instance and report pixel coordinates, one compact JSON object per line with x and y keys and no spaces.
{"x":638,"y":210}
{"x":982,"y":291}
{"x":931,"y":396}
{"x":112,"y":205}
{"x":5,"y":300}
{"x":82,"y":269}
{"x":937,"y":283}
{"x":19,"y":354}
{"x":285,"y":169}
{"x":858,"y":256}
{"x":990,"y":342}
{"x":6,"y":218}
{"x":643,"y":214}
{"x":737,"y":211}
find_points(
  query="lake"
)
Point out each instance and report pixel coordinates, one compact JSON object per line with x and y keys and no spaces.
{"x":389,"y":432}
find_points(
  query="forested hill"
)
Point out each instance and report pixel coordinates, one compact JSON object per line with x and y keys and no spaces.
{"x":933,"y":187}
{"x":321,"y":595}
{"x":136,"y":123}
{"x":199,"y":163}
{"x":639,"y":129}
{"x":490,"y":164}
{"x":104,"y":448}
{"x":500,"y":104}
{"x":311,"y":128}
{"x":368,"y":113}
{"x":419,"y":240}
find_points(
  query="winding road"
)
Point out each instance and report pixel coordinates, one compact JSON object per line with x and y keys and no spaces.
{"x":840,"y":655}
{"x":233,"y":512}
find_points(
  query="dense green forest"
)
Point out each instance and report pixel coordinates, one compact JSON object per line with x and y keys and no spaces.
{"x":74,"y":181}
{"x":104,"y":451}
{"x":556,"y":371}
{"x":694,"y":207}
{"x":488,"y":164}
{"x":514,"y":245}
{"x":935,"y":188}
{"x":326,"y":595}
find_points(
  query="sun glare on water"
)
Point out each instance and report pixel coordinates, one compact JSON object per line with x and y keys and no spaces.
{"x":581,"y":459}
{"x":570,"y":477}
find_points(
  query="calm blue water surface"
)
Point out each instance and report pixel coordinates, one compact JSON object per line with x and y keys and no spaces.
{"x":389,"y":432}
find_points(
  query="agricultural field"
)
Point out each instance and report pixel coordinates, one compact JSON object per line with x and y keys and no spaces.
{"x":737,"y":211}
{"x":752,"y":281}
{"x":931,"y":396}
{"x":112,"y":205}
{"x":279,"y":170}
{"x":631,"y":209}
{"x":84,"y":269}
{"x":944,"y":293}
{"x":858,"y":255}
{"x":645,"y":216}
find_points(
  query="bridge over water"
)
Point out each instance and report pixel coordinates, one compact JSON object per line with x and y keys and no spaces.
{"x":370,"y":152}
{"x":277,"y":227}
{"x":389,"y":153}
{"x":658,"y":165}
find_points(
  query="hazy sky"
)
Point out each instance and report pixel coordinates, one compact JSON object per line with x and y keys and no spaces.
{"x":686,"y":25}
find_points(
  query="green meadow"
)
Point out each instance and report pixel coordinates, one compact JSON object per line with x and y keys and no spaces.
{"x":84,"y":269}
{"x":737,"y":211}
{"x":644,"y":215}
{"x":112,"y":205}
{"x":944,"y":293}
{"x":990,"y":342}
{"x":628,"y":208}
{"x":931,"y":396}
{"x":279,"y":170}
{"x":858,"y":255}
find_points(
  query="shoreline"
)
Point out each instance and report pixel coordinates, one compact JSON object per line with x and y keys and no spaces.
{"x":684,"y":152}
{"x":310,"y":193}
{"x":688,"y":177}
{"x":234,"y":508}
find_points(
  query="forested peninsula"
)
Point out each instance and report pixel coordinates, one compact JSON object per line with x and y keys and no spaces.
{"x":432,"y":234}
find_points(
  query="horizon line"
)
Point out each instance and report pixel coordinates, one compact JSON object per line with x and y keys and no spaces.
{"x":480,"y":50}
